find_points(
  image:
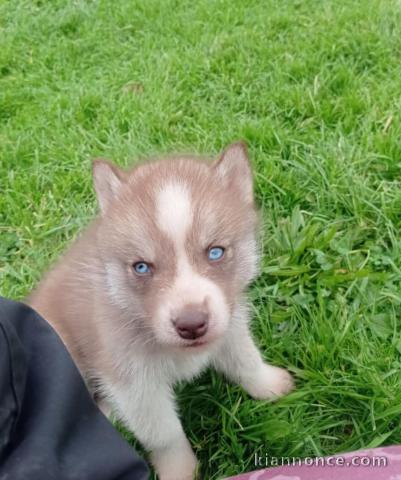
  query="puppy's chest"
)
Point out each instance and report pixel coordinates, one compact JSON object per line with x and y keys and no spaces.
{"x":187,"y":367}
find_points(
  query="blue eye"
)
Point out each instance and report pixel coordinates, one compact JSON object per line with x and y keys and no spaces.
{"x":215,"y":253}
{"x":141,"y":268}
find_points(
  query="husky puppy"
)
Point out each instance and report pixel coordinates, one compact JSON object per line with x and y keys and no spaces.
{"x":153,"y":292}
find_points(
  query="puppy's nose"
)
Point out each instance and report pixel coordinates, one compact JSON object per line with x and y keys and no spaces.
{"x":191,"y":323}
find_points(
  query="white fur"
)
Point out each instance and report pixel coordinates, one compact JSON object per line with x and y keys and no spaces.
{"x":144,"y":399}
{"x":114,"y":280}
{"x":248,"y":249}
{"x":241,"y":361}
{"x":174,"y":211}
{"x":174,"y":217}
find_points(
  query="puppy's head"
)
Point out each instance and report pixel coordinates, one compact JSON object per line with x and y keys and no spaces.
{"x":177,"y":239}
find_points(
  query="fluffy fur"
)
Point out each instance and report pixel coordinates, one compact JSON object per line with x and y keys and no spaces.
{"x":120,"y":326}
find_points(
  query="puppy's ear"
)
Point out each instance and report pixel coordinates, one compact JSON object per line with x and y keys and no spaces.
{"x":234,"y":169}
{"x":107,"y":179}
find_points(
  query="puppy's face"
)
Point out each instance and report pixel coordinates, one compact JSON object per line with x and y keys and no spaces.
{"x":177,"y":242}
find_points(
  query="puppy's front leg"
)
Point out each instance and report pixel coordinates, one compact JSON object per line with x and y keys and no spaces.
{"x":241,"y":361}
{"x":149,"y":411}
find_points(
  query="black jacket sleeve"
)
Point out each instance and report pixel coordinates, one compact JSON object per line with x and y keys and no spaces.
{"x":49,"y":426}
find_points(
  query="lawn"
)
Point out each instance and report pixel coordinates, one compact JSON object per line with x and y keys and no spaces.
{"x":314,"y":87}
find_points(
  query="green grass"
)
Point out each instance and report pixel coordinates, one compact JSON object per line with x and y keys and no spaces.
{"x":314,"y":87}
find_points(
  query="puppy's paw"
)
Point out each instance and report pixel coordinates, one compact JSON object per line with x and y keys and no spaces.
{"x":270,"y":383}
{"x":175,"y":463}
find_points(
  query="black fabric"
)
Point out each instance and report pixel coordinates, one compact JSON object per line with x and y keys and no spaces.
{"x":49,"y":426}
